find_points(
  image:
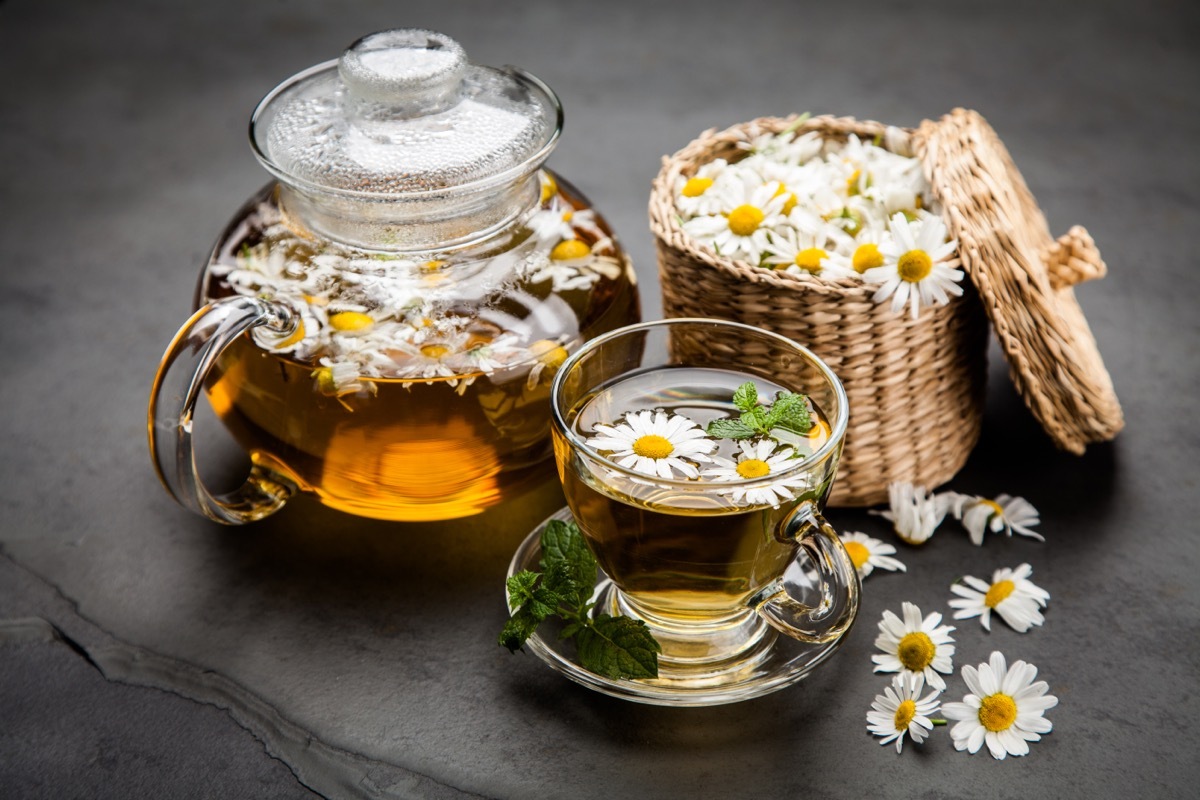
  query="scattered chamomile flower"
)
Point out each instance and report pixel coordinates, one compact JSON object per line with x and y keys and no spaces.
{"x":901,"y":709}
{"x":917,"y":268}
{"x":915,"y":645}
{"x":1005,"y":513}
{"x":914,"y":514}
{"x":654,"y":443}
{"x":742,"y":231}
{"x":1013,"y":596}
{"x":1006,"y":709}
{"x":759,"y":460}
{"x":868,"y":553}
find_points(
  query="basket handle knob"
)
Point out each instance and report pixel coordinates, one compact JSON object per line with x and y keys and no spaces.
{"x":1073,"y":258}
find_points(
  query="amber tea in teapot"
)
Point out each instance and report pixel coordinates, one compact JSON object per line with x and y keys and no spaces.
{"x":380,"y":327}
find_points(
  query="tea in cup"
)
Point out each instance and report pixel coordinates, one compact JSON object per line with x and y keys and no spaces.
{"x":696,"y":457}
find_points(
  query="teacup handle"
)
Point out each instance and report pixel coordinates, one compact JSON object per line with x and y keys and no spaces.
{"x":177,"y":386}
{"x":837,"y":578}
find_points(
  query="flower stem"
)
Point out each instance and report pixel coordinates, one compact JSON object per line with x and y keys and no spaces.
{"x":938,"y":721}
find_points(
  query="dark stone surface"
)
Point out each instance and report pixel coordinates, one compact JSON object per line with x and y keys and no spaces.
{"x":362,"y":654}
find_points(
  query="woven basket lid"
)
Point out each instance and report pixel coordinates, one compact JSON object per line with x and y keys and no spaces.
{"x":1024,"y":277}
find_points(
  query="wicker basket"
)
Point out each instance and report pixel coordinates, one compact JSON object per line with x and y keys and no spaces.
{"x":915,"y":387}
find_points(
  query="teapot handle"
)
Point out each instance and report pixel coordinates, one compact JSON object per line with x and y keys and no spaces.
{"x":177,"y":385}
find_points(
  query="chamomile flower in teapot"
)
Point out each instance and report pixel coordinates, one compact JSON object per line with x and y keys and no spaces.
{"x":379,"y":325}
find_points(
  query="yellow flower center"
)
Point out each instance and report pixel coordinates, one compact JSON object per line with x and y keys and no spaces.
{"x":810,"y":259}
{"x":915,"y":266}
{"x":350,"y":321}
{"x":744,"y":220}
{"x":434,"y":350}
{"x":324,"y":379}
{"x":568,"y":216}
{"x":998,"y":593}
{"x":696,"y":187}
{"x":569,"y":250}
{"x":858,"y":553}
{"x":997,"y":712}
{"x":993,"y":505}
{"x":852,"y":182}
{"x":905,"y":714}
{"x":866,"y":256}
{"x":548,"y":353}
{"x":549,"y":186}
{"x":432,"y":266}
{"x":653,"y":446}
{"x":753,"y":468}
{"x":791,"y":200}
{"x":296,"y":336}
{"x":916,"y":651}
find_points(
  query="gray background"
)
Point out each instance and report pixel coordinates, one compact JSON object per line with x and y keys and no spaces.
{"x":148,"y":653}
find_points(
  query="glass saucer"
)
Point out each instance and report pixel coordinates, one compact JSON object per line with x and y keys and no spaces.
{"x":785,"y":661}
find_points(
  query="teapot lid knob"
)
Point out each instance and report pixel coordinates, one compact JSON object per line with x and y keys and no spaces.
{"x":417,"y":69}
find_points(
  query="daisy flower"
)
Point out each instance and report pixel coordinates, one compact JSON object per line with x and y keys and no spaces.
{"x":654,"y":443}
{"x":1005,"y":513}
{"x":573,"y":264}
{"x":705,"y":192}
{"x":1013,"y":596}
{"x":901,"y":709}
{"x":1005,"y":709}
{"x":915,"y":645}
{"x":868,"y":553}
{"x":913,"y":513}
{"x":560,"y":221}
{"x":916,"y":270}
{"x":742,"y":232}
{"x":798,"y":251}
{"x":757,"y":461}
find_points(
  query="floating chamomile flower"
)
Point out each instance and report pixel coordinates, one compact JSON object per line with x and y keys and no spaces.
{"x":703,"y":193}
{"x":1013,"y":596}
{"x":742,"y":231}
{"x":1005,"y":513}
{"x":560,"y":221}
{"x":654,"y":443}
{"x":1005,"y":709}
{"x":759,"y":460}
{"x":915,"y":269}
{"x":800,"y":252}
{"x":573,"y":264}
{"x":901,"y":709}
{"x":915,"y":645}
{"x":914,"y":514}
{"x":868,"y":553}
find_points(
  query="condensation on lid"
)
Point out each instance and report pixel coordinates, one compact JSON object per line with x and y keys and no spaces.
{"x":403,"y":112}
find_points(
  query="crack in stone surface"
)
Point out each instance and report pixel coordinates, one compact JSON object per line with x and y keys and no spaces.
{"x":326,"y":770}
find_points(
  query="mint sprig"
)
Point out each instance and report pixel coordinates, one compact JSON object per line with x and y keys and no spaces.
{"x":788,"y":412}
{"x":615,"y":647}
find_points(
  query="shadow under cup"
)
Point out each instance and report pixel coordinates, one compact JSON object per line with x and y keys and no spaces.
{"x":702,"y":564}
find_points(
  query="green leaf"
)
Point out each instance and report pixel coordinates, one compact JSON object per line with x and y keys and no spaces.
{"x":618,"y":647}
{"x":745,"y":397}
{"x":790,"y":412}
{"x":566,"y":559}
{"x":520,"y":588}
{"x":756,"y":419}
{"x":729,"y":429}
{"x":518,"y":628}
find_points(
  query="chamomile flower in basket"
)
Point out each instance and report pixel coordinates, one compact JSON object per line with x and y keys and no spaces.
{"x":857,"y":239}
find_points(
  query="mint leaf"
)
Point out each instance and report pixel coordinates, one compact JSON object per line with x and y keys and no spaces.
{"x":745,"y":397}
{"x":519,"y":627}
{"x":729,"y":429}
{"x":520,"y":588}
{"x":790,"y":412}
{"x":566,"y":559}
{"x":618,"y":647}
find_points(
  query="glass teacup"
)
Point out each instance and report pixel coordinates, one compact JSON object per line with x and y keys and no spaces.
{"x":696,"y":530}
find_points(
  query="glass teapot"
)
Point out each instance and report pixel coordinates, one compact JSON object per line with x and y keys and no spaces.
{"x":380,"y":325}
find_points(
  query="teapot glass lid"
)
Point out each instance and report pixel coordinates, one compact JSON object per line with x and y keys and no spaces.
{"x":403,"y":112}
